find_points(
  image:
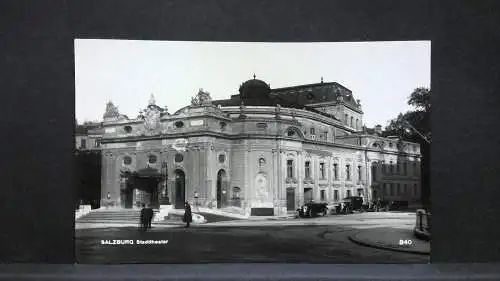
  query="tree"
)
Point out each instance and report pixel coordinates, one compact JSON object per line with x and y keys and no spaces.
{"x":414,"y":126}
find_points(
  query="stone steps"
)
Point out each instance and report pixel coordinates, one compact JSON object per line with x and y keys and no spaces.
{"x":114,"y":216}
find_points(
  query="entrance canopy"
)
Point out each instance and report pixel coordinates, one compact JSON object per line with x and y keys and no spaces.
{"x":148,"y":173}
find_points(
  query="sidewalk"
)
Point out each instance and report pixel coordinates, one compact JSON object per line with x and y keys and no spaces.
{"x":390,"y":239}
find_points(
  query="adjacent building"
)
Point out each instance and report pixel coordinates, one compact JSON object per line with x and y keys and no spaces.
{"x":263,"y":151}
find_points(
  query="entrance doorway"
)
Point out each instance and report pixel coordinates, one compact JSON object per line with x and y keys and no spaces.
{"x":221,"y":189}
{"x":180,"y":189}
{"x":138,"y":190}
{"x":308,"y":194}
{"x":290,"y":199}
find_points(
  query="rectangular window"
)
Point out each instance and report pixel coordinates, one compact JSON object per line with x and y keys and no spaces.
{"x":348,"y":193}
{"x":308,"y":169}
{"x":83,"y":143}
{"x":393,"y":190}
{"x":348,"y":172}
{"x":397,"y":167}
{"x":374,"y":173}
{"x":405,"y":188}
{"x":289,"y":168}
{"x":391,"y":167}
{"x":386,"y":189}
{"x":336,"y":195}
{"x":415,"y":190}
{"x":399,"y":190}
{"x":405,"y":168}
{"x":97,"y":143}
{"x":414,"y":168}
{"x":312,"y":131}
{"x":359,"y":173}
{"x":326,"y":136}
{"x":335,"y":171}
{"x":322,"y":195}
{"x":322,"y":170}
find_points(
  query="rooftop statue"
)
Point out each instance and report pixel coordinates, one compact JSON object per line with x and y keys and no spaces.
{"x":201,"y":99}
{"x":111,"y":111}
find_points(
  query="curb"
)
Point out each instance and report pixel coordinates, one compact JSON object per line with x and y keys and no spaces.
{"x":354,"y":239}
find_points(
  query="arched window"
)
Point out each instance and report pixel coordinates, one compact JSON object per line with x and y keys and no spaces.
{"x":346,"y":119}
{"x":357,"y":124}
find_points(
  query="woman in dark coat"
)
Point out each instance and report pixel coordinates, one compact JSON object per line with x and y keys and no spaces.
{"x":188,"y":216}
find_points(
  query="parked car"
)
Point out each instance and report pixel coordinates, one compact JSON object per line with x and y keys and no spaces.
{"x":354,"y":203}
{"x":312,"y":209}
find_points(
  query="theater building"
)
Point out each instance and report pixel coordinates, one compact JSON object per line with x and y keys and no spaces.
{"x":262,"y":151}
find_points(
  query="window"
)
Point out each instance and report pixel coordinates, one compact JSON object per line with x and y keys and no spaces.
{"x":222,"y":158}
{"x":312,"y":131}
{"x":348,"y":172}
{"x":359,"y":173}
{"x":326,"y":136}
{"x":405,"y":168}
{"x":360,"y":192}
{"x":322,"y":170}
{"x":335,"y":171}
{"x":348,"y":193}
{"x":127,"y":129}
{"x":374,"y":173}
{"x":179,"y":158}
{"x":390,"y":144}
{"x":414,"y":168}
{"x":393,"y":191}
{"x":223,"y":125}
{"x":415,"y":190}
{"x":400,"y":192}
{"x":384,"y":167}
{"x":308,"y":169}
{"x":127,"y":160}
{"x":397,"y":167}
{"x":152,"y":159}
{"x":357,"y":123}
{"x":405,"y":188}
{"x":386,"y":189}
{"x":83,"y":143}
{"x":290,"y":133}
{"x":322,"y":195}
{"x":352,"y":118}
{"x":289,"y":168}
{"x":98,"y":143}
{"x":336,"y":195}
{"x":391,"y":167}
{"x":346,"y":119}
{"x":179,"y":124}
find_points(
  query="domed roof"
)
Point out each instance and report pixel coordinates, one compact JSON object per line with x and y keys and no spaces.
{"x":254,"y":89}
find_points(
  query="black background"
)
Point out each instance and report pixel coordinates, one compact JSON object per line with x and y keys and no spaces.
{"x":37,"y":100}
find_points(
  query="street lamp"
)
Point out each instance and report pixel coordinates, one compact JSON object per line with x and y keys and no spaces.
{"x":426,"y":139}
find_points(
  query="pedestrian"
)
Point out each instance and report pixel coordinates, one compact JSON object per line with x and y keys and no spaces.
{"x":188,"y":216}
{"x":142,"y":223}
{"x":149,"y":216}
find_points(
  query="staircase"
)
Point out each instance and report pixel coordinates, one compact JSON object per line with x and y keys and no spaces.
{"x":112,"y":216}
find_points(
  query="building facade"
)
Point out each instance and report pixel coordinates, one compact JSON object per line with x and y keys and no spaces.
{"x":263,"y":151}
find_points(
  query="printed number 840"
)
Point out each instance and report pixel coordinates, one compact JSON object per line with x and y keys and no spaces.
{"x":406,"y":242}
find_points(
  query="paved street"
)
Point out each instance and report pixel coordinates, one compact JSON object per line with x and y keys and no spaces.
{"x":323,"y":240}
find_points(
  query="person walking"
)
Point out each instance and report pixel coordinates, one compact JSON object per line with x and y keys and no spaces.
{"x":188,"y":216}
{"x":142,"y":223}
{"x":149,"y":216}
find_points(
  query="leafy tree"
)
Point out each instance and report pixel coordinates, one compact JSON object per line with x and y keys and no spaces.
{"x":414,"y":126}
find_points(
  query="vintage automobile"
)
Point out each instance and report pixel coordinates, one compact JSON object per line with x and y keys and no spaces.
{"x":312,"y":209}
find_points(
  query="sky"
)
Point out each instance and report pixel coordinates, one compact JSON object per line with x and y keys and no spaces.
{"x":381,"y":74}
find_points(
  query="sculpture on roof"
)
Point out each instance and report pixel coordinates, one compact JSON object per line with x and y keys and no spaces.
{"x":111,"y":111}
{"x":201,"y":99}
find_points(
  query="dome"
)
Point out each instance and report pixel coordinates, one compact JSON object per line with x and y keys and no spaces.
{"x":254,"y":89}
